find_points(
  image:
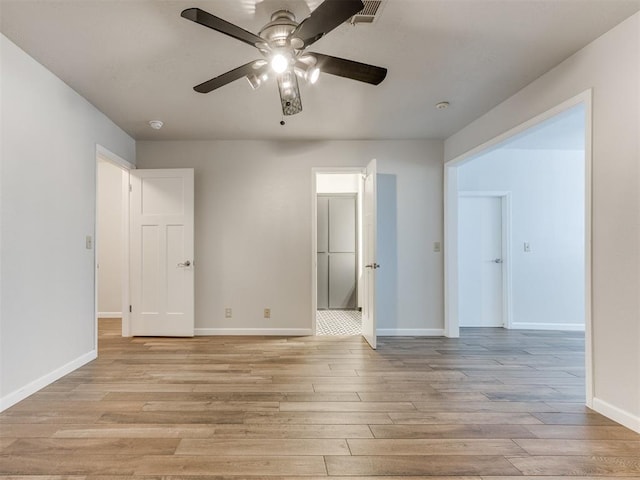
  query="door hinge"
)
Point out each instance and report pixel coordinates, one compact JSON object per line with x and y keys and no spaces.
{"x":130,"y":187}
{"x":130,"y":309}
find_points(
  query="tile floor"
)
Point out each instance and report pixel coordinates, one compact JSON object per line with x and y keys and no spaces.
{"x":338,"y":322}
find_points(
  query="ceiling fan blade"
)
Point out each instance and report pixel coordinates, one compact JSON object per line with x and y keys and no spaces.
{"x":220,"y":25}
{"x":350,"y":69}
{"x":235,"y":74}
{"x":322,"y":20}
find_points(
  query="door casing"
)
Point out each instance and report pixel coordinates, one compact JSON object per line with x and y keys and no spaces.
{"x":103,"y":154}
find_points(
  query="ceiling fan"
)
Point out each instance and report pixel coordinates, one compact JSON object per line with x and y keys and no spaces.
{"x":283,"y":43}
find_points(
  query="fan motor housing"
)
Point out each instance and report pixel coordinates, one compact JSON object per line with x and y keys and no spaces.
{"x":277,"y":31}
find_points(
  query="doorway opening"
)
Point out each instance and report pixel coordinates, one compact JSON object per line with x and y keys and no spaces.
{"x":338,"y":261}
{"x":517,"y":223}
{"x":111,"y":243}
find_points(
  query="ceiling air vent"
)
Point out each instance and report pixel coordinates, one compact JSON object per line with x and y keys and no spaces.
{"x":368,"y":13}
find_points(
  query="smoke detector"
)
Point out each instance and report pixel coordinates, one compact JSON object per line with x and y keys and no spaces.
{"x":156,"y":124}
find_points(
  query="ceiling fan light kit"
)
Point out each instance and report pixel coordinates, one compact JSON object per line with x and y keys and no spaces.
{"x":283,"y":42}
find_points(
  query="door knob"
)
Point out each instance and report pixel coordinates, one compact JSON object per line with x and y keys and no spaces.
{"x":187,"y":263}
{"x":372,"y":265}
{"x":497,"y":260}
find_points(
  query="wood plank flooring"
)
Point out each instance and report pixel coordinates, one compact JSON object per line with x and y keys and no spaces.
{"x":494,"y":404}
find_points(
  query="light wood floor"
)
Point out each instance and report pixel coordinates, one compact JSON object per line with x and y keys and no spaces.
{"x":494,"y":403}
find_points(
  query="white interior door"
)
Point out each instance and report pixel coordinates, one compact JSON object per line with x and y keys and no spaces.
{"x":162,"y":283}
{"x":480,"y":261}
{"x":369,"y":201}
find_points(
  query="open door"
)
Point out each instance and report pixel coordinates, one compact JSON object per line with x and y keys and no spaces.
{"x":369,"y":200}
{"x":161,"y":252}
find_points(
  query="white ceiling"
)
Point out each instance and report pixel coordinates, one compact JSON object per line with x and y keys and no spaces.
{"x":137,"y":60}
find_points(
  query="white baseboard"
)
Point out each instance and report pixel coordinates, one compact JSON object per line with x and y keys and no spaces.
{"x":573,"y":327}
{"x":617,"y":414}
{"x":32,"y":387}
{"x":302,"y":332}
{"x":109,"y":314}
{"x":280,"y":332}
{"x":410,"y":332}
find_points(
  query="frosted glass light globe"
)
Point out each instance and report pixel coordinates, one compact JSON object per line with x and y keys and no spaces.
{"x":279,"y":63}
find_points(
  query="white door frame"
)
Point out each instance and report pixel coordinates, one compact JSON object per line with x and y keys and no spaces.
{"x":505,"y":204}
{"x":451,"y":322}
{"x":314,"y":231}
{"x":103,"y":154}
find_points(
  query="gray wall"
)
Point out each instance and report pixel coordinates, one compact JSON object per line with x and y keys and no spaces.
{"x":48,"y":196}
{"x":253,"y":229}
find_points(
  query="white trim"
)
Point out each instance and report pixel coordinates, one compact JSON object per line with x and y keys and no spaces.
{"x":617,"y":414}
{"x":314,"y":249}
{"x":104,"y":154}
{"x":109,"y":314}
{"x":410,"y":332}
{"x":108,"y":156}
{"x":572,"y":327}
{"x":505,"y":207}
{"x":281,"y":332}
{"x":125,"y":298}
{"x":47,"y":379}
{"x":451,"y":224}
{"x":588,"y":255}
{"x":584,"y":97}
{"x":451,"y":324}
{"x":338,"y":170}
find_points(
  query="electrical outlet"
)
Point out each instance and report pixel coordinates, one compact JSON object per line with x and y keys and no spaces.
{"x":228,"y":313}
{"x":437,"y":247}
{"x":88,"y":242}
{"x":267,"y":313}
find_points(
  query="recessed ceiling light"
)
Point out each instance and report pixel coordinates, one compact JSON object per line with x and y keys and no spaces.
{"x":156,"y":124}
{"x":442,"y":105}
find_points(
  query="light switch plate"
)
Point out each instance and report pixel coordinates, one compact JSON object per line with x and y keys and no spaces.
{"x":437,"y":247}
{"x":88,"y":242}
